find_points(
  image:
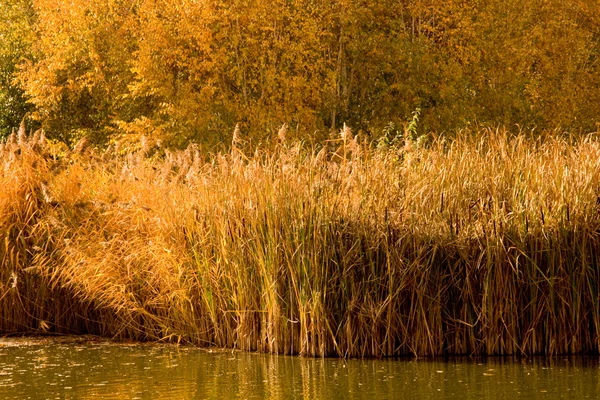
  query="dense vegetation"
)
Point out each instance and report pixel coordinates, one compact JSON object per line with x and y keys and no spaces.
{"x":483,"y":245}
{"x":217,"y":195}
{"x":182,"y":70}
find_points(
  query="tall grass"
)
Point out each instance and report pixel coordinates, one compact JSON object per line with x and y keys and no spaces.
{"x":486,"y":244}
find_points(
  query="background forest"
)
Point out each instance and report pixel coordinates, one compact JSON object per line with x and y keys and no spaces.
{"x":182,"y":70}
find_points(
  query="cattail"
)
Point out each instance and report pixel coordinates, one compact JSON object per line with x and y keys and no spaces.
{"x":282,"y":133}
{"x":237,"y":139}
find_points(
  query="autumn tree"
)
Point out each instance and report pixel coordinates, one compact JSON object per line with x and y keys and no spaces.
{"x":16,"y":38}
{"x":186,"y":70}
{"x":79,"y":75}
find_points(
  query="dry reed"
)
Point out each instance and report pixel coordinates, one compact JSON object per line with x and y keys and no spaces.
{"x":486,"y":244}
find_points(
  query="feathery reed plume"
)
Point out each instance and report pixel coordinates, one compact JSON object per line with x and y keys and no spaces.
{"x":236,"y":140}
{"x":42,"y":138}
{"x":81,"y":146}
{"x":354,"y":147}
{"x":22,"y":133}
{"x":144,"y":145}
{"x":46,"y":194}
{"x":321,"y":155}
{"x":483,"y":245}
{"x":36,"y":138}
{"x":281,"y":134}
{"x":346,"y":133}
{"x":11,"y":142}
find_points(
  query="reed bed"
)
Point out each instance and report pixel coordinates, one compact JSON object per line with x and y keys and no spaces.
{"x":484,"y":245}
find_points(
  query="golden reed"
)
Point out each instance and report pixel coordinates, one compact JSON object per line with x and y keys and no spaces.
{"x":486,"y":244}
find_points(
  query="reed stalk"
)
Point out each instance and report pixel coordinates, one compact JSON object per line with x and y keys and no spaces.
{"x":484,"y":245}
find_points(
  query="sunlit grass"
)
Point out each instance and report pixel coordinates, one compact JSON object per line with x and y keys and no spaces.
{"x":486,"y":244}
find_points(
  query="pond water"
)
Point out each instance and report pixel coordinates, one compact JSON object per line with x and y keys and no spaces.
{"x":80,"y":368}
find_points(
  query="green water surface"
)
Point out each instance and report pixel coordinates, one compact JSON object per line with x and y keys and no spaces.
{"x":91,"y":369}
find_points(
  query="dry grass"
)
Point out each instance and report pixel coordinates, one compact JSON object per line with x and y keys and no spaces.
{"x":487,"y":244}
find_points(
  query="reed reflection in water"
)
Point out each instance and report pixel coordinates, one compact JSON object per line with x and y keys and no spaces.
{"x":84,"y":369}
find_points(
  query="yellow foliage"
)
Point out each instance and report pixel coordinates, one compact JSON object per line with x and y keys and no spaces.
{"x":192,"y":70}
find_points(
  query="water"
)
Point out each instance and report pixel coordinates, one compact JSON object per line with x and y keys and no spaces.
{"x":70,"y":368}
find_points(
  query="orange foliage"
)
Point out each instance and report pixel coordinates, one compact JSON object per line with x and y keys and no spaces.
{"x":185,"y":70}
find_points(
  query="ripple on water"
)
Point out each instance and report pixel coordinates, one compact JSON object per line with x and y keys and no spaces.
{"x":84,"y":368}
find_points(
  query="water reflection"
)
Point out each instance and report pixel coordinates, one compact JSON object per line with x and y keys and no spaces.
{"x":82,"y":369}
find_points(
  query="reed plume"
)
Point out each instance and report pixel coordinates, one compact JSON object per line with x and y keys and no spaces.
{"x":482,"y":245}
